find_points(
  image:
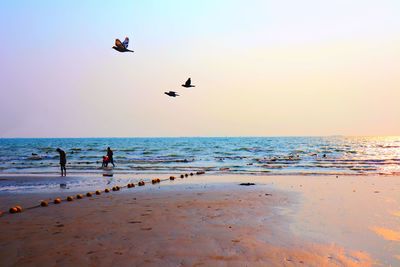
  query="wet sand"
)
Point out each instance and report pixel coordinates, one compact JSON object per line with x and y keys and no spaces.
{"x":281,"y":221}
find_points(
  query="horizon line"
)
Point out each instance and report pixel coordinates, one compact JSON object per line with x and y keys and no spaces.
{"x":232,"y":136}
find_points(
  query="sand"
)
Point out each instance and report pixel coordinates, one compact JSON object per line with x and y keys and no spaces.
{"x":196,"y":222}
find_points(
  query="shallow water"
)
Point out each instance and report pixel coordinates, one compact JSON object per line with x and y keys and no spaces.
{"x":241,"y":155}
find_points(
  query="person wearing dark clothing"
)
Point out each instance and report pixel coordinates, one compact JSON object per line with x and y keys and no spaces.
{"x":63,"y":161}
{"x":110,"y":156}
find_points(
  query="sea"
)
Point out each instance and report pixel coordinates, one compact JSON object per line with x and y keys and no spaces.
{"x":333,"y":155}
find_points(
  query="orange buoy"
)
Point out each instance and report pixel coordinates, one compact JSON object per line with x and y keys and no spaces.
{"x":141,"y":183}
{"x":191,"y":174}
{"x":118,"y":188}
{"x":107,"y":190}
{"x":88,"y":194}
{"x":182,"y":176}
{"x":132,"y":185}
{"x":128,"y":185}
{"x":70,"y":198}
{"x":186,"y":175}
{"x":79,"y":196}
{"x":154,"y":181}
{"x":44,"y":203}
{"x":57,"y":200}
{"x":158,"y":180}
{"x":172,"y":178}
{"x":19,"y":208}
{"x":13,"y":210}
{"x":98,"y":192}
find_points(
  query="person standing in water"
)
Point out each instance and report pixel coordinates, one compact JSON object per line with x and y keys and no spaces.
{"x":63,"y":161}
{"x":110,"y":156}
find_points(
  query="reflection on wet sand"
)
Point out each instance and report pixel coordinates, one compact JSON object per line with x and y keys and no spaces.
{"x":386,"y":233}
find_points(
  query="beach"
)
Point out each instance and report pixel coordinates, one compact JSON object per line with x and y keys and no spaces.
{"x":211,"y":220}
{"x":200,"y":133}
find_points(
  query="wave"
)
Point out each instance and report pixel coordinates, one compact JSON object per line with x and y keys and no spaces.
{"x":240,"y":155}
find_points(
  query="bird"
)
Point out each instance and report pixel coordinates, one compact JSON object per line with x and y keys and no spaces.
{"x":122,"y":47}
{"x":171,"y":93}
{"x":188,"y":84}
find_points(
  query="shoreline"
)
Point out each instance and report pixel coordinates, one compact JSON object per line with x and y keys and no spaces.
{"x":317,"y":211}
{"x":50,"y":183}
{"x":214,"y":173}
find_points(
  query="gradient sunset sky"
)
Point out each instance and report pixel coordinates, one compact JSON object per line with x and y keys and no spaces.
{"x":261,"y":68}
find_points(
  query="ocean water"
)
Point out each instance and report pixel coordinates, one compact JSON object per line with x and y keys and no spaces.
{"x":240,"y":155}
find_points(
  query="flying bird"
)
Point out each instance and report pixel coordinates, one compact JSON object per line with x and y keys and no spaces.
{"x":188,"y":84}
{"x":122,"y":47}
{"x":171,"y":93}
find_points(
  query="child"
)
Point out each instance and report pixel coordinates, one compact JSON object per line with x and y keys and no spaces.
{"x":105,"y":161}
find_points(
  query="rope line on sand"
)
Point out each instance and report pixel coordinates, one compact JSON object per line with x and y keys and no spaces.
{"x":57,"y":200}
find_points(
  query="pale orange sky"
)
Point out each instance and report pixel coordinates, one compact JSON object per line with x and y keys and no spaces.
{"x":260,"y":69}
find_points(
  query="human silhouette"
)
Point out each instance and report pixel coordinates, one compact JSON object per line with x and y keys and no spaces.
{"x":171,"y":93}
{"x":188,"y":83}
{"x":110,"y":156}
{"x":122,"y":46}
{"x":105,"y":161}
{"x":63,"y":161}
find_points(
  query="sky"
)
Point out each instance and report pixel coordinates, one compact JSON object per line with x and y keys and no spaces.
{"x":261,"y":68}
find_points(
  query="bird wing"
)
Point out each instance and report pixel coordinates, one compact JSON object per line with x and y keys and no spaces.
{"x":118,"y":43}
{"x":188,"y":82}
{"x":125,"y":42}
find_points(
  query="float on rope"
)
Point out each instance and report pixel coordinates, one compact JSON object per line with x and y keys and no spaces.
{"x":43,"y":203}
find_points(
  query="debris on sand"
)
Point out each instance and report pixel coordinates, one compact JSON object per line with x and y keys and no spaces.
{"x":247,"y":184}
